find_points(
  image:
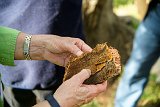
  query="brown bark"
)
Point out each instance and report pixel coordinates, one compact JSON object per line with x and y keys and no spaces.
{"x":102,"y":25}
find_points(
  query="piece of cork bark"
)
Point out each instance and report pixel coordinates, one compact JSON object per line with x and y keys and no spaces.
{"x":103,"y":61}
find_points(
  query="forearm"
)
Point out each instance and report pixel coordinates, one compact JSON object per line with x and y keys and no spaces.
{"x":18,"y":54}
{"x":53,"y":48}
{"x":36,"y":48}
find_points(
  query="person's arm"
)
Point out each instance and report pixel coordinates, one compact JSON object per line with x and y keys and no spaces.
{"x":8,"y":38}
{"x":53,"y":48}
{"x":56,"y":50}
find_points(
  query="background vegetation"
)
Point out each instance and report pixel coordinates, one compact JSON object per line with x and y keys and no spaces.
{"x":125,"y":11}
{"x":118,"y":3}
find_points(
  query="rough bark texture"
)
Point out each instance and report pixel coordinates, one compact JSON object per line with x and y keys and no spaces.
{"x":102,"y":25}
{"x":103,"y":61}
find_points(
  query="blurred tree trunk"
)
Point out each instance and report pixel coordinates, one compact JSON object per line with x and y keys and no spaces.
{"x":102,"y":25}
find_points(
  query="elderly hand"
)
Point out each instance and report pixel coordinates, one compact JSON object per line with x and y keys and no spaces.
{"x":58,"y":49}
{"x":74,"y":93}
{"x":53,"y":48}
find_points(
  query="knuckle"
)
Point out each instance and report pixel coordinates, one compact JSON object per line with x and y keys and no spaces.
{"x":79,"y":40}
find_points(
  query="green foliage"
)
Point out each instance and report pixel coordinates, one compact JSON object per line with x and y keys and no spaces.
{"x":133,"y":22}
{"x":1,"y":103}
{"x":151,"y":95}
{"x":94,"y":103}
{"x":117,"y":3}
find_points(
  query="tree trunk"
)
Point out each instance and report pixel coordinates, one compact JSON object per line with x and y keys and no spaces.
{"x":102,"y":25}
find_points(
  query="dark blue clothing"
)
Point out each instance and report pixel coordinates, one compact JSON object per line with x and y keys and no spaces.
{"x":153,"y":16}
{"x":60,"y":17}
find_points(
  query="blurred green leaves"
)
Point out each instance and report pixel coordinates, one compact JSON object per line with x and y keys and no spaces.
{"x":151,"y":95}
{"x":93,"y":103}
{"x":118,"y":3}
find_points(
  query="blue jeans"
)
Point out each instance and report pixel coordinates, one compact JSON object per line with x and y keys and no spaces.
{"x":146,"y":50}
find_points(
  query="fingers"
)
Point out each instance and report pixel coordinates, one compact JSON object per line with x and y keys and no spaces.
{"x":72,"y":45}
{"x":94,"y":90}
{"x":82,"y":76}
{"x":86,"y":93}
{"x":77,"y":47}
{"x":101,"y":87}
{"x":83,"y":46}
{"x":86,"y":48}
{"x":75,"y":50}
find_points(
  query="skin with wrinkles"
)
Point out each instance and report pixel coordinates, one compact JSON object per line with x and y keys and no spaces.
{"x":57,"y":50}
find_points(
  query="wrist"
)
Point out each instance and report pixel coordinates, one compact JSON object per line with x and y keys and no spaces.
{"x":19,"y":47}
{"x":37,"y":47}
{"x":26,"y":47}
{"x":52,"y":101}
{"x":62,"y":101}
{"x":58,"y":100}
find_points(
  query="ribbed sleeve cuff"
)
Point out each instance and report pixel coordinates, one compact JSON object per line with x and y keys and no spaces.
{"x":8,"y":38}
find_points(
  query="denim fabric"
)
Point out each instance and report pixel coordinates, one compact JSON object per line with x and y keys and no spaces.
{"x":60,"y":17}
{"x":146,"y":50}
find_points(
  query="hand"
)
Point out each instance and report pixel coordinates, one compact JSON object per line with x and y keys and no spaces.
{"x":74,"y":93}
{"x":58,"y":49}
{"x":53,"y":48}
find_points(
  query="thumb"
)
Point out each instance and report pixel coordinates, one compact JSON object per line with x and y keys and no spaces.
{"x":82,"y":76}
